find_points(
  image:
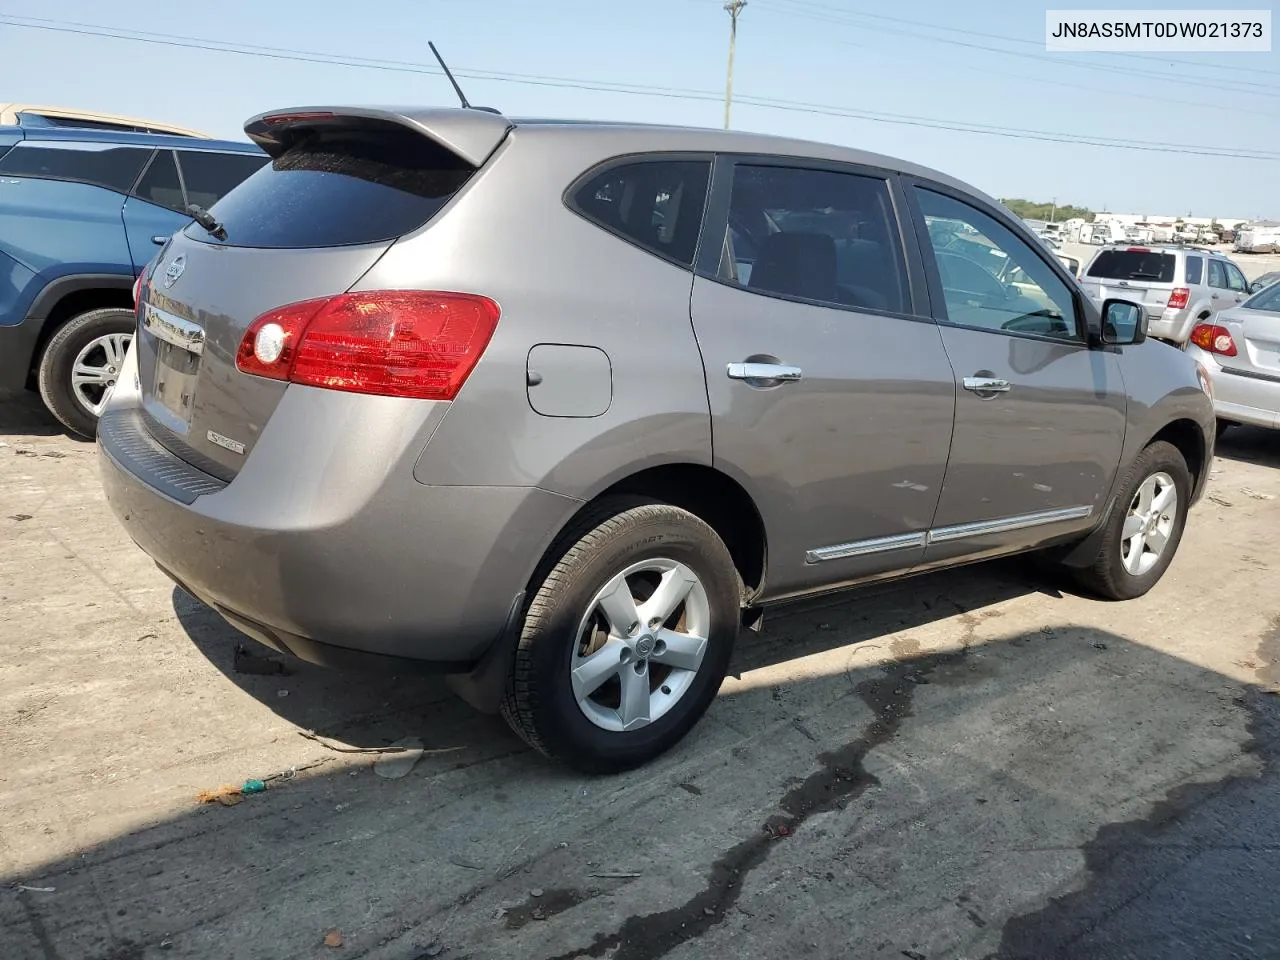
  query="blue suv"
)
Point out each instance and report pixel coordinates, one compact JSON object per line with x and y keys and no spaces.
{"x":82,"y":211}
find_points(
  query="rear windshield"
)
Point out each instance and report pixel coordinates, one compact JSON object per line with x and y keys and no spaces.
{"x":1267,"y":298}
{"x":1134,"y":265}
{"x":338,"y":188}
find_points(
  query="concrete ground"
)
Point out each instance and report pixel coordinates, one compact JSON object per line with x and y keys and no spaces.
{"x":971,"y":764}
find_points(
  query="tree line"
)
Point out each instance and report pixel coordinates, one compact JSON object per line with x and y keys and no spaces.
{"x":1030,"y":210}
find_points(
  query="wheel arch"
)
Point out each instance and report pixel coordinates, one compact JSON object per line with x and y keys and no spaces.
{"x":1188,"y":438}
{"x":709,"y":494}
{"x":70,"y":296}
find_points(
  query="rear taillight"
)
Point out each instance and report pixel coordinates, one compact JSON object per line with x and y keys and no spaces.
{"x":1178,"y":298}
{"x":1215,"y":339}
{"x":394,"y":343}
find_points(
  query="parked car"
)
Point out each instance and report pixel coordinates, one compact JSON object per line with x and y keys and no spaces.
{"x":31,"y":115}
{"x":1178,"y":286}
{"x":81,"y":212}
{"x":567,"y":405}
{"x":1264,"y":281}
{"x":1241,"y":349}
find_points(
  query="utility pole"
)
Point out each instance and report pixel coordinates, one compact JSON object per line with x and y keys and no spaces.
{"x":1053,"y":212}
{"x":734,"y":7}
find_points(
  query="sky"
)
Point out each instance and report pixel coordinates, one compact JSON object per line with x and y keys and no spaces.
{"x":919,"y":63}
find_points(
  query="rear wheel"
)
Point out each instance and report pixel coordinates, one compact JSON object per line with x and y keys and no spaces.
{"x":79,"y":367}
{"x":627,"y":638}
{"x":1145,"y":527}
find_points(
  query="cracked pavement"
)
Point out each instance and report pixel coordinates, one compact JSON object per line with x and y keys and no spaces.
{"x":969,"y":764}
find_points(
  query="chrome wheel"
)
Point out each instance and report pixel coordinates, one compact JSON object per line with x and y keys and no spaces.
{"x":1148,"y":524}
{"x":96,"y":367}
{"x":640,"y":644}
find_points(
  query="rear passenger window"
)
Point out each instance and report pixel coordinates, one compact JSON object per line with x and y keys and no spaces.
{"x":210,"y":176}
{"x":1195,"y":271}
{"x":160,"y":184}
{"x":814,"y":234}
{"x":656,"y":204}
{"x":1217,"y":276}
{"x":113,"y":167}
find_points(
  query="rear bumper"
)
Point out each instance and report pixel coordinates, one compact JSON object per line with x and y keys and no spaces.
{"x":1172,"y":325}
{"x":17,"y":350}
{"x":389,"y":571}
{"x":1254,"y":400}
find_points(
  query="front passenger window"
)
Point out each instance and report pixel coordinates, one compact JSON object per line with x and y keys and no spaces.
{"x":991,"y":278}
{"x":1235,"y":279}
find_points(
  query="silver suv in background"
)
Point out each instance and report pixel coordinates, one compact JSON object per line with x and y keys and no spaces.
{"x":1178,"y":286}
{"x":558,"y":407}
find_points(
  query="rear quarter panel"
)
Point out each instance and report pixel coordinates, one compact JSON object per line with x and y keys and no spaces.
{"x":558,"y":279}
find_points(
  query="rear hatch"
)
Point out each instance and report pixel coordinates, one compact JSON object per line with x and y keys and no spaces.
{"x":341,"y":188}
{"x":1132,"y":273}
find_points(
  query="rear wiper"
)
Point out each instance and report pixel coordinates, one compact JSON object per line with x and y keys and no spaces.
{"x":207,"y":220}
{"x":1144,"y":276}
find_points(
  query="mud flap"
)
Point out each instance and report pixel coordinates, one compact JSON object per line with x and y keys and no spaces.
{"x":484,"y":687}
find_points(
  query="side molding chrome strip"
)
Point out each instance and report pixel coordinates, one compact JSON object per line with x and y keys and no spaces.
{"x":963,"y":531}
{"x":860,"y":548}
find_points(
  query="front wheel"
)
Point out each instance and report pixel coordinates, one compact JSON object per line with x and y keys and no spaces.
{"x":1145,"y":526}
{"x":79,"y":367}
{"x":627,"y":638}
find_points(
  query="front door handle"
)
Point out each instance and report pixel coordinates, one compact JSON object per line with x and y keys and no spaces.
{"x":764,"y":371}
{"x":159,"y":241}
{"x":987,"y":385}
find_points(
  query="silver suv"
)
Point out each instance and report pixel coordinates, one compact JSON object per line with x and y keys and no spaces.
{"x":1179,"y":286}
{"x":559,"y":407}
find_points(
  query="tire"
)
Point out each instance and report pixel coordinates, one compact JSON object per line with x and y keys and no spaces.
{"x":621,"y":534}
{"x":91,"y":331}
{"x":1108,"y":575}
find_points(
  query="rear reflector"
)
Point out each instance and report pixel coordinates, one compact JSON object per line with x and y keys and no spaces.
{"x":1178,"y":298}
{"x":392,"y":343}
{"x":1215,"y":339}
{"x":137,"y":288}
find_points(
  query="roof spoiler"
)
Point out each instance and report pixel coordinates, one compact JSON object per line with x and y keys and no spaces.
{"x":471,"y":134}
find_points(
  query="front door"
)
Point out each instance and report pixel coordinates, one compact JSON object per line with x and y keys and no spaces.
{"x":1040,"y":417}
{"x":831,"y":396}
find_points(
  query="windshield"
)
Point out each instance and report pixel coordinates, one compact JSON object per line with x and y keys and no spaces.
{"x":1134,"y":265}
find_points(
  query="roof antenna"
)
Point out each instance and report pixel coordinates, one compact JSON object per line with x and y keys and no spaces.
{"x":457,"y":89}
{"x":448,"y":73}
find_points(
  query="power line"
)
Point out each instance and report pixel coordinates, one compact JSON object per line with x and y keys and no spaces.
{"x":812,"y":4}
{"x":1037,"y":58}
{"x":169,"y":40}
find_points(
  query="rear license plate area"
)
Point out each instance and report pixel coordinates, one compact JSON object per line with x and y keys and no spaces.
{"x":179,"y":345}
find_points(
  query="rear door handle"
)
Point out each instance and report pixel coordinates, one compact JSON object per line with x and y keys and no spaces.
{"x":987,"y":385}
{"x":764,"y":371}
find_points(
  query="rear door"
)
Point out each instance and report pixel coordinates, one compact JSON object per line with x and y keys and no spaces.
{"x":831,"y":395}
{"x":306,"y":226}
{"x":154,"y":210}
{"x":1040,"y":417}
{"x":174,"y":179}
{"x":1220,"y":295}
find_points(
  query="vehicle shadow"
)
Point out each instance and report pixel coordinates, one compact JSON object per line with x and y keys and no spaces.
{"x":371,"y":709}
{"x":23,"y":413}
{"x":1256,"y":445}
{"x":935,"y":805}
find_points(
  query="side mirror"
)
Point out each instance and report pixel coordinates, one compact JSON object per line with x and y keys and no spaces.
{"x":1255,"y":286}
{"x":1123,"y":322}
